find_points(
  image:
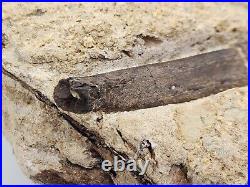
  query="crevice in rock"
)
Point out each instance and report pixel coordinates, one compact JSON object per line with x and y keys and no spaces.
{"x":179,"y":175}
{"x":150,"y":41}
{"x":99,"y":119}
{"x":37,"y":12}
{"x":5,"y":40}
{"x":128,"y":144}
{"x":127,"y":53}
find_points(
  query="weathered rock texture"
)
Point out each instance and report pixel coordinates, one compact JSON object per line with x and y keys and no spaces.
{"x":201,"y":141}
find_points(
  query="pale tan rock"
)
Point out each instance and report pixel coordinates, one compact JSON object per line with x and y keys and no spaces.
{"x":202,"y":141}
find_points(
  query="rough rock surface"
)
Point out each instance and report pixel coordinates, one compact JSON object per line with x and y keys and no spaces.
{"x":201,"y":141}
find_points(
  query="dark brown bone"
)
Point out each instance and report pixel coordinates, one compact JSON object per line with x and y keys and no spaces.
{"x":153,"y":85}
